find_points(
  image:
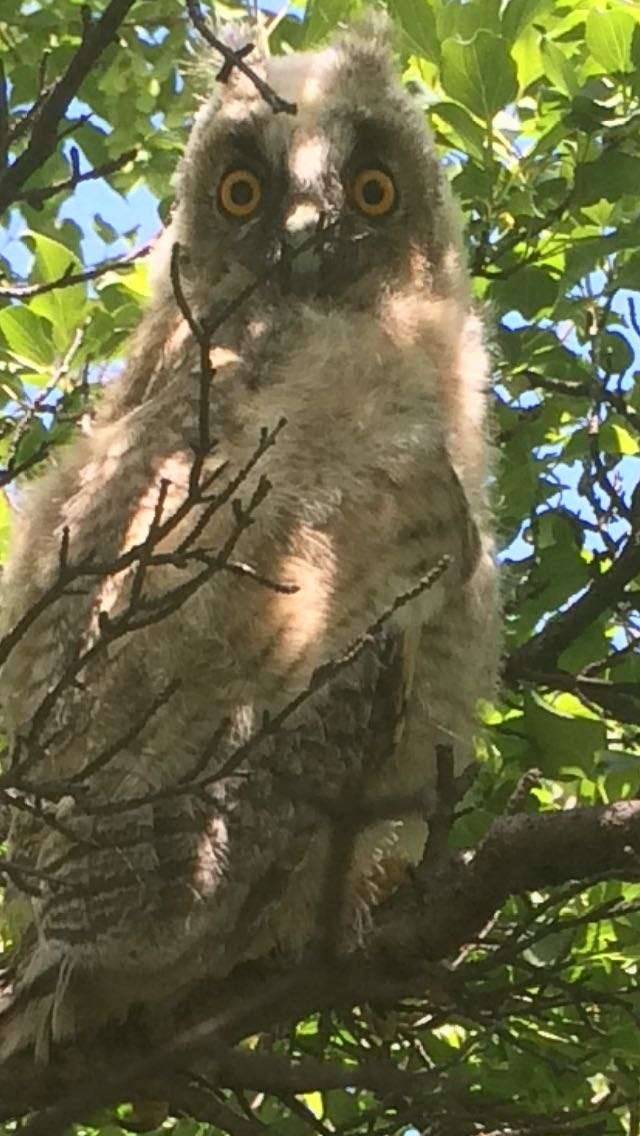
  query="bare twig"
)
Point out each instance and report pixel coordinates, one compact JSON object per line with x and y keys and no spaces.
{"x":122,"y":743}
{"x":69,"y":278}
{"x":203,"y":339}
{"x":71,"y":574}
{"x":36,"y":197}
{"x":16,"y":468}
{"x":198,"y":784}
{"x":325,"y":673}
{"x":442,"y":817}
{"x":236,"y":59}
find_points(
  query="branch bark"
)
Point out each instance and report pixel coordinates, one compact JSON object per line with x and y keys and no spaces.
{"x":426,"y":922}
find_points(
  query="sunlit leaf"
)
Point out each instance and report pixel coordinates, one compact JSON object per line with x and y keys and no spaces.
{"x":64,"y":308}
{"x":323,"y":15}
{"x":561,"y":738}
{"x":479,"y":73}
{"x":5,"y":524}
{"x":609,"y":37}
{"x":27,"y":336}
{"x":518,"y":15}
{"x":417,"y":20}
{"x":616,"y":439}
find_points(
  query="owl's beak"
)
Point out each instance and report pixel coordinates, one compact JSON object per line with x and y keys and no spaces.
{"x":302,"y":249}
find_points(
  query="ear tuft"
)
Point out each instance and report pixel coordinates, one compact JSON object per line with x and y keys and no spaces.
{"x":371,"y":35}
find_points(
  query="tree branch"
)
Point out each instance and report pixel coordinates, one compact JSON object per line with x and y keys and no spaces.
{"x":44,"y":132}
{"x":69,"y":277}
{"x":542,"y":651}
{"x":36,"y":197}
{"x":426,"y":921}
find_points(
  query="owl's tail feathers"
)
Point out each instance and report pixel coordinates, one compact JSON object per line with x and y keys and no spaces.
{"x":35,"y":1010}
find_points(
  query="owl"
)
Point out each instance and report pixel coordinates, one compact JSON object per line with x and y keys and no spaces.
{"x":219,"y":690}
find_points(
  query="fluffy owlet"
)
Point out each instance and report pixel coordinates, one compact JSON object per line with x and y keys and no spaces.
{"x":313,"y":272}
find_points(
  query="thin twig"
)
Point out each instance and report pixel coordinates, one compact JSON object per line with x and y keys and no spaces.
{"x":236,"y":59}
{"x":69,"y":278}
{"x":36,"y":197}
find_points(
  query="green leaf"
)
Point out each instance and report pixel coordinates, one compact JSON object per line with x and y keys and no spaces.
{"x":628,"y":273}
{"x":549,"y":949}
{"x":518,"y":16}
{"x":34,"y":441}
{"x":586,"y":253}
{"x":321,"y":17}
{"x":528,"y":57}
{"x":27,"y":337}
{"x":528,"y":291}
{"x":558,"y":69}
{"x":562,"y":732}
{"x":617,"y":353}
{"x":417,"y":20}
{"x":64,"y":307}
{"x":105,"y":229}
{"x":616,"y":439}
{"x":462,"y":21}
{"x":5,"y":524}
{"x":134,"y":280}
{"x":470,"y":136}
{"x":609,"y":37}
{"x":480,"y":73}
{"x":314,"y":1103}
{"x":52,"y":258}
{"x":611,"y":175}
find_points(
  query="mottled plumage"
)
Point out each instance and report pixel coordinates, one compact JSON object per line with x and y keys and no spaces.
{"x":370,"y":349}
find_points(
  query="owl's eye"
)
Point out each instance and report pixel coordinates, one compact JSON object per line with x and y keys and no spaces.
{"x":239,"y":193}
{"x":373,"y":192}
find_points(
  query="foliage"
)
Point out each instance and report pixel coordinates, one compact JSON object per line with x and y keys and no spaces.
{"x":536,"y":108}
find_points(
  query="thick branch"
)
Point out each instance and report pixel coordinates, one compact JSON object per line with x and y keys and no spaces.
{"x":417,"y":927}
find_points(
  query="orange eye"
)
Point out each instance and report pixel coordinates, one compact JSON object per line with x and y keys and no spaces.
{"x":239,"y":193}
{"x":373,"y":192}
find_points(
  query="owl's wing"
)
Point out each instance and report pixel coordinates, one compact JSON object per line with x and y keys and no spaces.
{"x":414,"y":638}
{"x":435,"y":664}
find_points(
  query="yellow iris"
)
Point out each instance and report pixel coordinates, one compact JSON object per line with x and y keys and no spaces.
{"x":373,"y":192}
{"x":239,"y":193}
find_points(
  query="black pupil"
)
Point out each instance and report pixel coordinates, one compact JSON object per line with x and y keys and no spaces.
{"x":242,"y":192}
{"x":372,"y":191}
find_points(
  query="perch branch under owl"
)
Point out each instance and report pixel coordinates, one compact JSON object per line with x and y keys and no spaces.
{"x":519,"y":853}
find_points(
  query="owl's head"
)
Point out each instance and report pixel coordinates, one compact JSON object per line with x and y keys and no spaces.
{"x":352,"y":180}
